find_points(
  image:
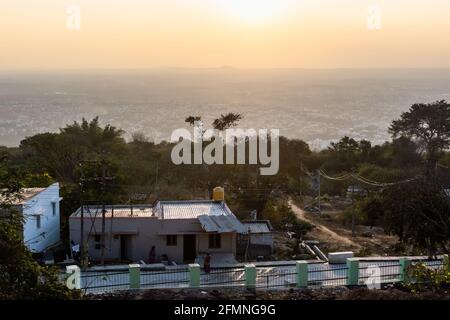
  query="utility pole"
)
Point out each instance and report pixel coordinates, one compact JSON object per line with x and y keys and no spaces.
{"x":103,"y":236}
{"x":318,"y":174}
{"x":300,"y":177}
{"x":103,"y":179}
{"x":81,"y":224}
{"x":353,"y":212}
{"x":157,"y":172}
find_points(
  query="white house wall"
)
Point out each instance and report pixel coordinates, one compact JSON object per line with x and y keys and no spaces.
{"x":37,"y":240}
{"x":146,"y":232}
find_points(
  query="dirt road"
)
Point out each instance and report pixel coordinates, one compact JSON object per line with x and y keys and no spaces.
{"x":333,"y":236}
{"x":321,"y":232}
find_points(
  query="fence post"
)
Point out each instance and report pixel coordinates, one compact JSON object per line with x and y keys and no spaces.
{"x":446,"y":262}
{"x":135,"y":276}
{"x":404,"y":265}
{"x":352,"y":271}
{"x":194,"y":275}
{"x":302,"y":274}
{"x":250,"y":276}
{"x":73,"y":280}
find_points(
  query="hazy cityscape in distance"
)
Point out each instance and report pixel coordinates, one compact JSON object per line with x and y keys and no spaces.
{"x":317,"y":106}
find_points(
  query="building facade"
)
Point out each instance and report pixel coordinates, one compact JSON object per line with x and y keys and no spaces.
{"x":180,"y":231}
{"x":40,"y":209}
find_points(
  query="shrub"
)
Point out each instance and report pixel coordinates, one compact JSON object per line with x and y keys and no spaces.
{"x":423,"y":277}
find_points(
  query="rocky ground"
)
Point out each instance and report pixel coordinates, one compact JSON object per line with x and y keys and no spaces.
{"x":337,"y":293}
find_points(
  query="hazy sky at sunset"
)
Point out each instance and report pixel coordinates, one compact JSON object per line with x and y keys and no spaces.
{"x":211,"y":33}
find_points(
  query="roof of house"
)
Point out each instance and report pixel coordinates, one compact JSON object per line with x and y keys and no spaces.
{"x":116,"y":211}
{"x":257,"y":226}
{"x":24,"y":195}
{"x":214,"y":216}
{"x":190,"y":209}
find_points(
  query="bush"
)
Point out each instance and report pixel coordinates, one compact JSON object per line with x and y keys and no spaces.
{"x":423,"y":277}
{"x":21,"y":277}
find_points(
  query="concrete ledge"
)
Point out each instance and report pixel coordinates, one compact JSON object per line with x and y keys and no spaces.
{"x":339,"y":257}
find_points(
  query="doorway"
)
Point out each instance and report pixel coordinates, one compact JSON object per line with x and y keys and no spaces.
{"x":125,"y":247}
{"x":189,"y":247}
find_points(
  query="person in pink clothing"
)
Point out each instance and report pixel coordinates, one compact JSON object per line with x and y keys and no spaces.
{"x":152,"y":255}
{"x":207,"y":263}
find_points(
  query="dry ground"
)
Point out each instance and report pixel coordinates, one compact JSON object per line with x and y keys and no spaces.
{"x":334,"y":236}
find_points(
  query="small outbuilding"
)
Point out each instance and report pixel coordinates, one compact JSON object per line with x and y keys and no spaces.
{"x":259,"y":236}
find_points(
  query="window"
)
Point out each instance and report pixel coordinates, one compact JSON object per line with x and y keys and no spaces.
{"x":171,"y":240}
{"x":38,"y":222}
{"x":54,"y":208}
{"x":214,"y":241}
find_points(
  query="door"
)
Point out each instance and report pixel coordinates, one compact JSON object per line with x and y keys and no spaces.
{"x":189,"y":247}
{"x":124,"y":247}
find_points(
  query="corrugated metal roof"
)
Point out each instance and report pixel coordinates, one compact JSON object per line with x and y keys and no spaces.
{"x":256,"y":227}
{"x":191,"y":209}
{"x":221,"y":224}
{"x":213,"y":216}
{"x":120,"y":211}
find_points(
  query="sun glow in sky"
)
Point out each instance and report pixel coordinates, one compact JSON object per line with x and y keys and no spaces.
{"x":255,"y":11}
{"x":211,"y":33}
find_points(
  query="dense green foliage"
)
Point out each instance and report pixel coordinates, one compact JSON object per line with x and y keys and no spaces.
{"x":21,"y":277}
{"x":423,"y":278}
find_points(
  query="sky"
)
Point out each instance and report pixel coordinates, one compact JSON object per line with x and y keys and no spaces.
{"x":130,"y":34}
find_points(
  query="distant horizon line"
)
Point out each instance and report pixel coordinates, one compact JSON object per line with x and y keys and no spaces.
{"x":218,"y":68}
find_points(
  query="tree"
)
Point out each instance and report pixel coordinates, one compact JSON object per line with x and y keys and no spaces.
{"x":345,"y":147}
{"x":226,"y":121}
{"x":404,"y":153}
{"x":21,"y":277}
{"x":418,"y":213}
{"x":59,"y":154}
{"x":192,"y":120}
{"x":428,"y":125}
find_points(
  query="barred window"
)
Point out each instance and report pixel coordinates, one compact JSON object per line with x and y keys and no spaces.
{"x":171,"y":240}
{"x":215,"y":241}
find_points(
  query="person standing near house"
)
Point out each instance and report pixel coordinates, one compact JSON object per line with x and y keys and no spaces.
{"x":207,"y":263}
{"x":75,"y":250}
{"x":152,"y":255}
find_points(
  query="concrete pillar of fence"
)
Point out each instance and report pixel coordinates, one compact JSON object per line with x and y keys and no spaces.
{"x":302,"y":274}
{"x":352,"y":271}
{"x":194,"y":275}
{"x":135,"y":276}
{"x":73,"y":280}
{"x":446,"y":262}
{"x":250,"y":276}
{"x":404,"y":265}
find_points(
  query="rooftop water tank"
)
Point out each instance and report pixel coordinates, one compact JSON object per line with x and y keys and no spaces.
{"x":218,"y":194}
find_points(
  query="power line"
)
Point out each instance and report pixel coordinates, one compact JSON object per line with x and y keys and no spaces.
{"x":349,"y":176}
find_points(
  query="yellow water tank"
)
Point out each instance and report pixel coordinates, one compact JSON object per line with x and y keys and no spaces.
{"x":218,"y":194}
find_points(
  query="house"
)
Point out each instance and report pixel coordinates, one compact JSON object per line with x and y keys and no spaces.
{"x":40,"y":209}
{"x":180,"y":230}
{"x":259,"y":237}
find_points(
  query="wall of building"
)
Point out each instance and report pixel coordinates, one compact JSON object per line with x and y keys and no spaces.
{"x":228,"y":243}
{"x":38,"y":239}
{"x":261,"y":238}
{"x":145,"y":232}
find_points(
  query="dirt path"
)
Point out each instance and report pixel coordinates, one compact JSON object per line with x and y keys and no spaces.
{"x":321,"y":232}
